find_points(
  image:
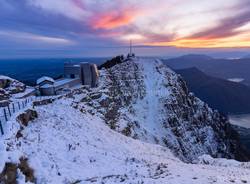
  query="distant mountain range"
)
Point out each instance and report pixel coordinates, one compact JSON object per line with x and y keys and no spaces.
{"x":227,"y":97}
{"x":221,"y":68}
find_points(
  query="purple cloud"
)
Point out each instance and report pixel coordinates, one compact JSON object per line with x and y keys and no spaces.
{"x":228,"y":26}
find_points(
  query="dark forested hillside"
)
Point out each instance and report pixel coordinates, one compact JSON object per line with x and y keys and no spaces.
{"x":221,"y":68}
{"x":226,"y":96}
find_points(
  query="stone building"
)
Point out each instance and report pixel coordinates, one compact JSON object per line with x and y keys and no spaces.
{"x":87,"y":72}
{"x":74,"y":74}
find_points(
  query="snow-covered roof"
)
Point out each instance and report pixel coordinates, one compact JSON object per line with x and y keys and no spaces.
{"x":45,"y":78}
{"x":46,"y":86}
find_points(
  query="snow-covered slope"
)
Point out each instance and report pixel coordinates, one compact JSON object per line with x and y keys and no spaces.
{"x":67,"y":146}
{"x":144,"y":99}
{"x":128,"y":130}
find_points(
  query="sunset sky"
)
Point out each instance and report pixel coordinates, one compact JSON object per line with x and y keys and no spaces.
{"x":104,"y":27}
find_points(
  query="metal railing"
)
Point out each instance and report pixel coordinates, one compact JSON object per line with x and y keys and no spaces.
{"x":7,"y":111}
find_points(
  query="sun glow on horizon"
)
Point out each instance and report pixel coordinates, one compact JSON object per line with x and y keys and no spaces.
{"x":237,"y":41}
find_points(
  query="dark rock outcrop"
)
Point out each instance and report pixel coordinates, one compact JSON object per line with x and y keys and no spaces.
{"x":9,"y":173}
{"x":27,"y":116}
{"x":8,"y":87}
{"x":27,"y":171}
{"x":3,"y":94}
{"x":112,"y":62}
{"x":11,"y":86}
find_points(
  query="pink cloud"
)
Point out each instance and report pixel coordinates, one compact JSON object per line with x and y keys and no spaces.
{"x":113,"y":19}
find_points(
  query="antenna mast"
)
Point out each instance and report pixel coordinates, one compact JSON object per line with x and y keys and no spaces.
{"x":130,"y":50}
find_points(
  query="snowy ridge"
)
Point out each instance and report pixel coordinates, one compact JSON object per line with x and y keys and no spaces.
{"x":144,"y":99}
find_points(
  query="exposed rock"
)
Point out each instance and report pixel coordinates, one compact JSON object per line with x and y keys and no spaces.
{"x":3,"y":94}
{"x":27,"y":116}
{"x":112,"y":62}
{"x":19,"y":134}
{"x":127,"y":130}
{"x":11,"y":86}
{"x":9,"y":174}
{"x":4,"y":82}
{"x":26,"y":170}
{"x":119,"y":82}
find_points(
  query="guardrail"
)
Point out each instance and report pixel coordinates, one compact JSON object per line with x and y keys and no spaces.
{"x":12,"y":108}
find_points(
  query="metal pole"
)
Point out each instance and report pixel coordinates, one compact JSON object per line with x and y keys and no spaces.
{"x":5,"y":114}
{"x":130,"y":48}
{"x":13,"y":106}
{"x":9,"y":110}
{"x":1,"y":127}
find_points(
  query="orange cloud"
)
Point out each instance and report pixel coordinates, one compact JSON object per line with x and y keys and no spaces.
{"x":111,"y":20}
{"x":237,"y":42}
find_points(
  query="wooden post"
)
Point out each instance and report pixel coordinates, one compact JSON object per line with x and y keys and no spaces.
{"x":13,"y":106}
{"x":5,"y":114}
{"x":9,"y":110}
{"x":1,"y":127}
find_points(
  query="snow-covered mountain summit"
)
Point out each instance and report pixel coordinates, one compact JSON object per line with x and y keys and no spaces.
{"x":128,"y":130}
{"x":144,"y":99}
